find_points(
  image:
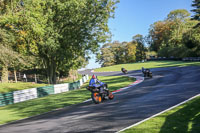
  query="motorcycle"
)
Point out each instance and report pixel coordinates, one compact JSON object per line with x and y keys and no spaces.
{"x":100,"y":92}
{"x":124,"y":70}
{"x":147,"y":73}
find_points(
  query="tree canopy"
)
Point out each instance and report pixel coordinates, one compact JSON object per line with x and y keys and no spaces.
{"x":59,"y":32}
{"x":125,"y":52}
{"x":196,"y":10}
{"x":167,"y":37}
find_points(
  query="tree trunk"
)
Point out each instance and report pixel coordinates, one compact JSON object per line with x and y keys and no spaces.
{"x":74,"y":78}
{"x":19,"y":75}
{"x":15,"y":73}
{"x":76,"y":74}
{"x":51,"y":72}
{"x":73,"y":75}
{"x":4,"y":77}
{"x":35,"y":78}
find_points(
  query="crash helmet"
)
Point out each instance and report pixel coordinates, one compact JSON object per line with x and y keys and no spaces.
{"x":93,"y":76}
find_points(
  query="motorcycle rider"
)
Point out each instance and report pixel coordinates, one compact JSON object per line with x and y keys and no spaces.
{"x":96,"y":83}
{"x":124,"y":70}
{"x":146,"y":72}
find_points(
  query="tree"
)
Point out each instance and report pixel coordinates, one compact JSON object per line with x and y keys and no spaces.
{"x":166,"y":37}
{"x":61,"y":31}
{"x":179,"y":18}
{"x":9,"y":57}
{"x":178,"y":15}
{"x":159,"y":34}
{"x":196,"y":16}
{"x":117,"y":53}
{"x":131,"y":52}
{"x":5,"y":53}
{"x":191,"y":39}
{"x":72,"y":28}
{"x":108,"y":55}
{"x":140,"y":48}
{"x":13,"y":24}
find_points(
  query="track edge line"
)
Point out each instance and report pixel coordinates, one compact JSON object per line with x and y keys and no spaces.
{"x":158,"y":113}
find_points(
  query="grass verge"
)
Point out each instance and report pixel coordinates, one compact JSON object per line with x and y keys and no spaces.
{"x":38,"y":106}
{"x":8,"y":87}
{"x":69,"y":79}
{"x":182,"y":119}
{"x":149,"y":64}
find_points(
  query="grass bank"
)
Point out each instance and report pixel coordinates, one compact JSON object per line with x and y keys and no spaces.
{"x":149,"y":64}
{"x":8,"y":87}
{"x":38,"y":106}
{"x":182,"y":119}
{"x":69,"y":79}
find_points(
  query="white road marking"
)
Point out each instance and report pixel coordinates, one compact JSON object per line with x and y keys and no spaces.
{"x":158,"y":114}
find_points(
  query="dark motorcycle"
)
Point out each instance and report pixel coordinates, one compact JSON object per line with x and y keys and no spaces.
{"x":147,"y":72}
{"x":100,"y":92}
{"x":124,"y":70}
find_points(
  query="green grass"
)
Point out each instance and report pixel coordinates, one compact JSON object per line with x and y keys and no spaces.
{"x":182,"y":119}
{"x":70,"y":80}
{"x":8,"y":87}
{"x":41,"y":105}
{"x":149,"y":64}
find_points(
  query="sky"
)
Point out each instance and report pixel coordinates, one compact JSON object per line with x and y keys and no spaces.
{"x":135,"y":17}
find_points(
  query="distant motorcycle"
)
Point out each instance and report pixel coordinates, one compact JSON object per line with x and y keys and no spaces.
{"x":99,"y":91}
{"x":124,"y":70}
{"x":147,"y":72}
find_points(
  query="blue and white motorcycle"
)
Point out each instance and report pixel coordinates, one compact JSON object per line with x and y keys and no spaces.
{"x":99,"y":90}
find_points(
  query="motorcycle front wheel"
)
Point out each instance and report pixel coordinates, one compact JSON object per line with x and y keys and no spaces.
{"x":96,"y":97}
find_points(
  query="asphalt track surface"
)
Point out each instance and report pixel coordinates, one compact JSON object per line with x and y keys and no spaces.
{"x":168,"y":87}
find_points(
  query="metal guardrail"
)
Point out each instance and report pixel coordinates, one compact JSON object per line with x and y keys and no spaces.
{"x":191,"y":59}
{"x":27,"y":94}
{"x":175,"y":59}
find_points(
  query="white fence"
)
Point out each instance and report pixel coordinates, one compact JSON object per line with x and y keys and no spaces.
{"x":61,"y":88}
{"x":23,"y":95}
{"x":27,"y":94}
{"x":81,"y":82}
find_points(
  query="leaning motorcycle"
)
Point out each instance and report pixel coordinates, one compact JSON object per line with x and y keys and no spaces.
{"x":99,"y":96}
{"x":124,"y":70}
{"x":147,"y":73}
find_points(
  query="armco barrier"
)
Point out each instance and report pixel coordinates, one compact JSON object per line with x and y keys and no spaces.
{"x":191,"y":59}
{"x":84,"y":79}
{"x":71,"y":87}
{"x":27,"y":94}
{"x":61,"y":88}
{"x":78,"y":84}
{"x":24,"y":95}
{"x":6,"y":98}
{"x":81,"y":82}
{"x":44,"y":91}
{"x":87,"y":77}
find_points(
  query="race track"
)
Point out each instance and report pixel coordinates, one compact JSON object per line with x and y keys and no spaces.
{"x":168,"y":87}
